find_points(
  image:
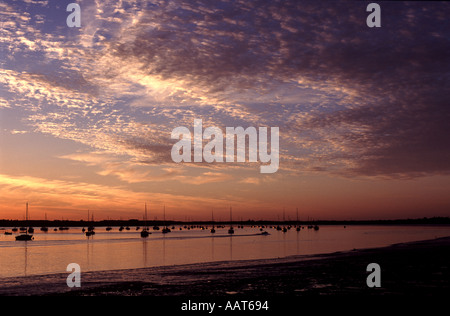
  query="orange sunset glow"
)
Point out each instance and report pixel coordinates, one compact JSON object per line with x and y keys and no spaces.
{"x":86,"y":114}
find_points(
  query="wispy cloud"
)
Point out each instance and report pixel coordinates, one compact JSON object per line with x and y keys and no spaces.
{"x":348,"y":99}
{"x":73,"y":198}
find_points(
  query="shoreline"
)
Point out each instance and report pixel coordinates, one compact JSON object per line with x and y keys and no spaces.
{"x":412,"y":268}
{"x":9,"y":223}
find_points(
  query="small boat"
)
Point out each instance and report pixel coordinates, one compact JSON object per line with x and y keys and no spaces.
{"x":316,"y":227}
{"x":108,"y":228}
{"x":30,"y":230}
{"x":284,"y":229}
{"x":145,"y":232}
{"x":90,"y":230}
{"x":121,"y":228}
{"x":14,"y":229}
{"x":25,"y":236}
{"x":231,"y":229}
{"x":8,"y":233}
{"x":264,"y":233}
{"x":45,"y":228}
{"x":166,"y":229}
{"x":213,"y":230}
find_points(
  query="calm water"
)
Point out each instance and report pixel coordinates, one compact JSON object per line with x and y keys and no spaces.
{"x":51,"y":252}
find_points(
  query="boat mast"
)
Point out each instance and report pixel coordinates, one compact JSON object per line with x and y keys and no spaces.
{"x":231,"y":230}
{"x":26,"y":219}
{"x":145,"y":219}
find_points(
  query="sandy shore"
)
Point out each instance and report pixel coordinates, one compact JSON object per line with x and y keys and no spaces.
{"x":417,"y":268}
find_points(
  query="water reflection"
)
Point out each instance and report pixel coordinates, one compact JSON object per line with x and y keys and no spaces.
{"x":51,"y":252}
{"x":212,"y":248}
{"x":231,"y":247}
{"x":144,"y":251}
{"x":89,"y":251}
{"x":164,"y":250}
{"x":26,"y":258}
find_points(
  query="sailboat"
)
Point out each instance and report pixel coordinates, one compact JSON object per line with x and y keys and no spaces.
{"x":45,"y":228}
{"x":231,"y":230}
{"x":213,"y":230}
{"x":145,"y":232}
{"x":108,"y":228}
{"x":90,"y":230}
{"x":298,"y":225}
{"x":284,"y":222}
{"x":166,"y":229}
{"x":90,"y":233}
{"x":25,"y":236}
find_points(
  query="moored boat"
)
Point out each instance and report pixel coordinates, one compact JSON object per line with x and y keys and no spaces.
{"x":144,"y":232}
{"x":25,"y":236}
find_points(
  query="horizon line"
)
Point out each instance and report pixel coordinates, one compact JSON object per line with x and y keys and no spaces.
{"x":435,"y":219}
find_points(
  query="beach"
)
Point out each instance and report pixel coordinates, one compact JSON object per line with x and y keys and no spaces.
{"x":414,"y":268}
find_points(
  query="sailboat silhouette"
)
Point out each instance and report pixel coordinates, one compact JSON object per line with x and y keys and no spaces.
{"x":213,"y":230}
{"x":90,"y":230}
{"x":231,"y":230}
{"x":25,"y":236}
{"x":145,"y":232}
{"x":166,"y":229}
{"x":45,"y":228}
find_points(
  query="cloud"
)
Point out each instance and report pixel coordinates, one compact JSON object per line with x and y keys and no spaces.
{"x":72,"y":198}
{"x":348,"y":99}
{"x":204,"y":178}
{"x":251,"y":180}
{"x":138,"y":171}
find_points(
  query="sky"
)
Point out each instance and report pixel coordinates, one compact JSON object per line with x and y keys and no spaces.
{"x":86,"y":114}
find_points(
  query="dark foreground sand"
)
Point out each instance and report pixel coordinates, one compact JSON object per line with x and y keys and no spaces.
{"x":417,"y":268}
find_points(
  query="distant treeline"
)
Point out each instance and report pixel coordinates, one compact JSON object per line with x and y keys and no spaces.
{"x":136,"y":222}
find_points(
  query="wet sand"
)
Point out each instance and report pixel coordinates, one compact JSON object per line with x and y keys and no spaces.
{"x":416,"y":268}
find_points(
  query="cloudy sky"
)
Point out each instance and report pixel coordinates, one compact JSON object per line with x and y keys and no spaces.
{"x":86,"y":113}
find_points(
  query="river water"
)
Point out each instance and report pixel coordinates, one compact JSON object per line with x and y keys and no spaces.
{"x":51,"y":252}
